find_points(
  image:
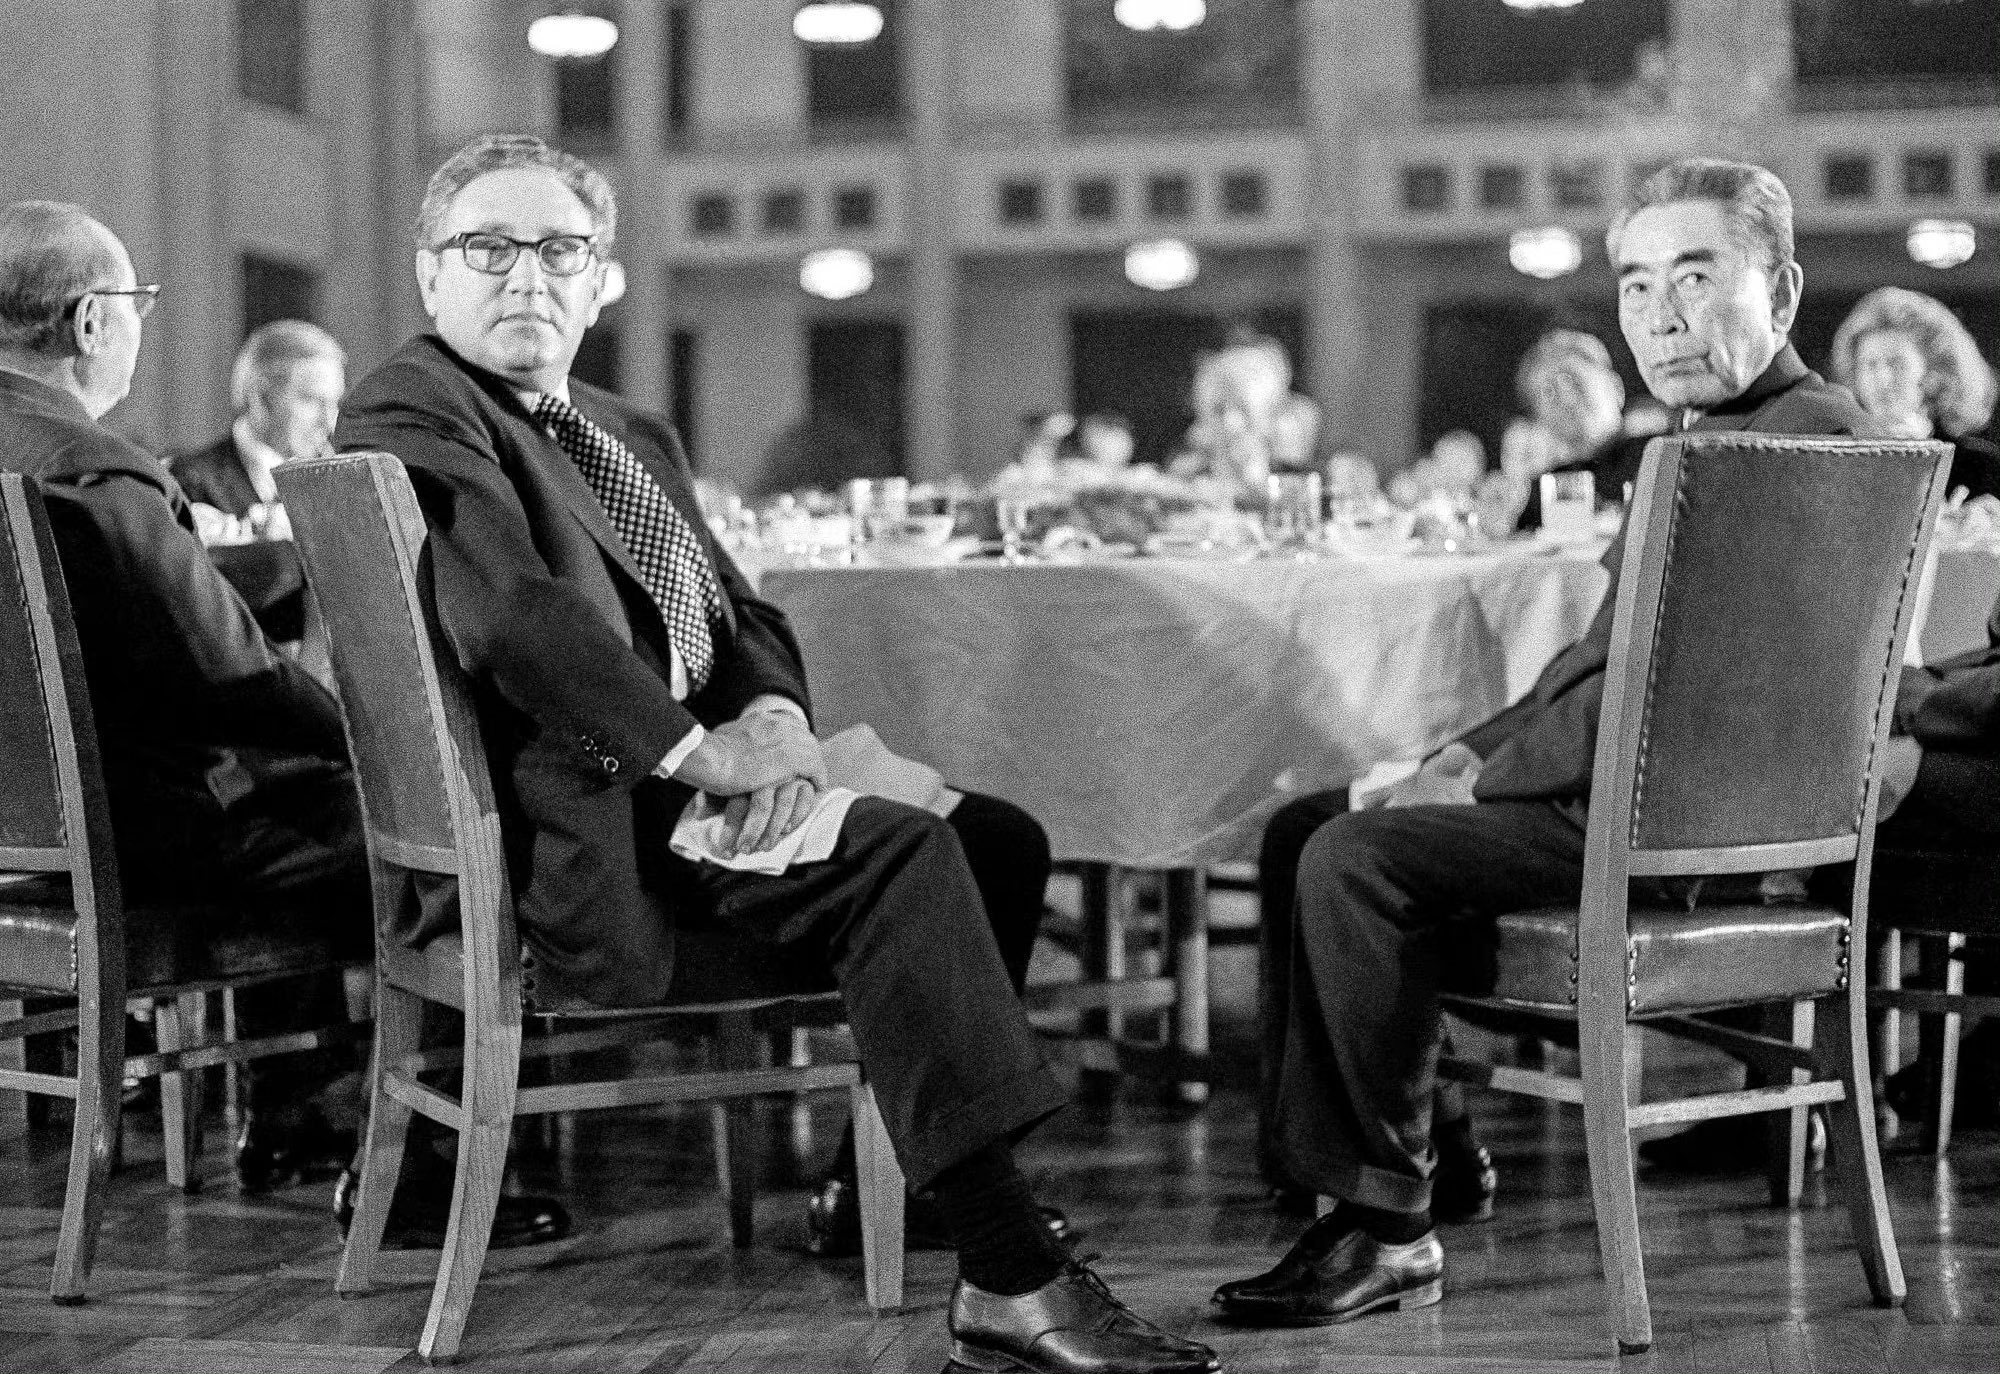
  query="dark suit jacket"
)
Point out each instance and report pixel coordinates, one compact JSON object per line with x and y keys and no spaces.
{"x":1543,"y":746}
{"x":540,"y":601}
{"x":266,"y":573}
{"x":1952,"y":708}
{"x":215,"y":476}
{"x":178,"y":671}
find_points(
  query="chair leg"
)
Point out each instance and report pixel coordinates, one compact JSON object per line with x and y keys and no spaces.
{"x":1888,"y":1040}
{"x":232,"y":1072}
{"x":1852,"y":1148}
{"x":100,"y":1084}
{"x":1947,"y":1055}
{"x":734,"y":1121}
{"x":1789,"y":1130}
{"x":492,"y":1080}
{"x":179,"y":1022}
{"x":882,"y":1197}
{"x":1187,"y":954}
{"x":398,"y":1023}
{"x":1614,"y":1194}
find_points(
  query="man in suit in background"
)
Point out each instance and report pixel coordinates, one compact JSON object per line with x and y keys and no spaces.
{"x":286,"y":388}
{"x":1708,"y":287}
{"x":621,"y":666}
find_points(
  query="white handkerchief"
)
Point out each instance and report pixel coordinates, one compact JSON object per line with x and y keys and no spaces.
{"x":1380,"y":778}
{"x":698,"y":835}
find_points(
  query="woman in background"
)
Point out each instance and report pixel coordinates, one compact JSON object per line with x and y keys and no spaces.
{"x":1916,"y":369}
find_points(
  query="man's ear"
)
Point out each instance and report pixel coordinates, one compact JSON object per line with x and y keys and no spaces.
{"x":428,"y":265}
{"x":1786,"y":289}
{"x":603,"y":273}
{"x":87,"y":327}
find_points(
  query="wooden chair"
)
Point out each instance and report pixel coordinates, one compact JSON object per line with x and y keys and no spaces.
{"x":68,"y":937}
{"x":1938,"y":899}
{"x":431,"y":817}
{"x":1759,"y":621}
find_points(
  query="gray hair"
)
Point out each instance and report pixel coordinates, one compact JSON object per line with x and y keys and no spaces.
{"x":268,"y":354}
{"x":496,"y":152}
{"x":1958,"y":383}
{"x":1757,"y":203}
{"x":51,"y":254}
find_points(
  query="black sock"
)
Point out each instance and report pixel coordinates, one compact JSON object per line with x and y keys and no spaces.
{"x":1381,"y":1224}
{"x":1454,"y":1139}
{"x":1003,"y":1248}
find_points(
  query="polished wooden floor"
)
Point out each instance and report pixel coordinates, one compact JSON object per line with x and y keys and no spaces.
{"x":220,"y":1283}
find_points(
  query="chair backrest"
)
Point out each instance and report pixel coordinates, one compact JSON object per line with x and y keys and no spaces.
{"x":1761,"y":614}
{"x":412,"y":730}
{"x":54,"y":817}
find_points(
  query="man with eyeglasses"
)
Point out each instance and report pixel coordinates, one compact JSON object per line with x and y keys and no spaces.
{"x":180,"y":676}
{"x":623,"y":665}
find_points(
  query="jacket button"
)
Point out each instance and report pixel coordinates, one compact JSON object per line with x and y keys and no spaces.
{"x":610,"y":765}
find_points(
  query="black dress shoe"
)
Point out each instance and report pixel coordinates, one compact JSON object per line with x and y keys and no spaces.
{"x":1344,"y":1275}
{"x":1726,"y":1145}
{"x":276,"y":1152}
{"x":833,"y":1221}
{"x":418,"y":1216}
{"x":1463,"y":1186}
{"x":1070,"y":1325}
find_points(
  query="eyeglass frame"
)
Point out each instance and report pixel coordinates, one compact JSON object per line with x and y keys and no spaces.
{"x":460,"y":241}
{"x":144,"y":297}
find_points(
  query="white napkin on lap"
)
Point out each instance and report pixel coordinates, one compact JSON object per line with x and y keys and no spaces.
{"x":857,"y":764}
{"x":1380,"y":778}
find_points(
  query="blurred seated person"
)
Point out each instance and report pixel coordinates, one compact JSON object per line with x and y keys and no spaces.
{"x":1916,"y":369}
{"x":1576,"y":420}
{"x":1351,"y":477}
{"x":1104,"y":440}
{"x":286,"y":388}
{"x":1453,"y":469}
{"x":1249,"y":422}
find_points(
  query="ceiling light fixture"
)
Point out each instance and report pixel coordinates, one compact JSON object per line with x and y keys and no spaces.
{"x":1942,"y":243}
{"x":571,"y":34}
{"x":1541,"y":4}
{"x":836,"y":274}
{"x":1161,"y":264}
{"x":1149,"y":16}
{"x":1545,"y":253}
{"x":841,"y":22}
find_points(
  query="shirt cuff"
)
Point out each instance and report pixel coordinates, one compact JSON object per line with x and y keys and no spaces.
{"x":678,"y":755}
{"x":775,"y":701}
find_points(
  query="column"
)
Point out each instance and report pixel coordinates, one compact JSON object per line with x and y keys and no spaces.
{"x":196,"y":338}
{"x":642,"y":316}
{"x":1334,"y":310}
{"x":930,"y":334}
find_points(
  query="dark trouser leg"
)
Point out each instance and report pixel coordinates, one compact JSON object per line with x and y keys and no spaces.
{"x":1381,"y":897}
{"x":896,"y":917}
{"x":1285,"y":837}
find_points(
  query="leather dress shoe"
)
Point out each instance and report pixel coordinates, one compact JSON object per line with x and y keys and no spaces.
{"x":1070,"y":1325}
{"x":1727,"y":1145}
{"x":1320,"y":1282}
{"x":833,"y":1221}
{"x":418,"y":1216}
{"x":1463,"y":1186}
{"x":277,"y":1152}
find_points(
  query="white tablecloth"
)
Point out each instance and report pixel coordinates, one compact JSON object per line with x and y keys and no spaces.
{"x":1155,"y":712}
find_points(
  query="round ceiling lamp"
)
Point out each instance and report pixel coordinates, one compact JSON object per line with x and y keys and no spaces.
{"x":571,"y":34}
{"x":1942,"y":242}
{"x":836,"y":274}
{"x":1545,"y":253}
{"x":1541,"y":4}
{"x":843,"y":22}
{"x":1151,"y":16}
{"x":1161,"y":264}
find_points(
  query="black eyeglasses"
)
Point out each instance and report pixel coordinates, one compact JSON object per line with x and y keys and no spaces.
{"x":562,"y":255}
{"x":144,"y":298}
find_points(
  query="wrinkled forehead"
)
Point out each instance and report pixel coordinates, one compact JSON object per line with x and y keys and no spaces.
{"x":521,"y":202}
{"x":1659,"y":236}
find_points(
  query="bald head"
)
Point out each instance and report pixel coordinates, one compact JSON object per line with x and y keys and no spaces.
{"x":51,"y":253}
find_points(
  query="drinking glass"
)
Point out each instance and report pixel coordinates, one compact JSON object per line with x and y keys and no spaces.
{"x":1293,"y":510}
{"x":1013,"y":513}
{"x":1569,"y":507}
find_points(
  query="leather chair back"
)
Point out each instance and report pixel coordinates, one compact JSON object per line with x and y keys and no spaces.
{"x":1779,"y":565}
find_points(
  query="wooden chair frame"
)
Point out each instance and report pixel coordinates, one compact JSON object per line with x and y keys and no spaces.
{"x":479,"y":971}
{"x":1830,"y":1070}
{"x":86,"y":856}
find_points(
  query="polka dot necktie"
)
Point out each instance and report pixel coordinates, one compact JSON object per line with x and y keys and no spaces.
{"x":656,"y":534}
